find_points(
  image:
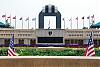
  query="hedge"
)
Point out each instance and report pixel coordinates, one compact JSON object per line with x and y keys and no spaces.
{"x":27,"y":51}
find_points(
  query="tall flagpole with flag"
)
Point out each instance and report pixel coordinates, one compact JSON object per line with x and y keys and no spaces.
{"x":4,"y":16}
{"x":9,"y":17}
{"x":11,"y":49}
{"x":90,"y":48}
{"x":27,"y":19}
{"x":22,"y":21}
{"x":89,"y":20}
{"x":15,"y":21}
{"x":93,"y":19}
{"x":70,"y":22}
{"x":77,"y":22}
{"x":64,"y":22}
{"x":34,"y":19}
{"x":83,"y":21}
{"x":6,"y":21}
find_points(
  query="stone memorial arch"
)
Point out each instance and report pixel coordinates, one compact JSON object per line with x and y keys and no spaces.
{"x":49,"y":10}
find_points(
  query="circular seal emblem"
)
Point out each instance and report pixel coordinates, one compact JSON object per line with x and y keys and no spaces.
{"x":50,"y":33}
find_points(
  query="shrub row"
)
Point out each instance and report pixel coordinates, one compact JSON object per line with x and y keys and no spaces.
{"x":26,"y":51}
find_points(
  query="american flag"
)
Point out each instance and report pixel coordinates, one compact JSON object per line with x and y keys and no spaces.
{"x":90,"y":48}
{"x":88,"y":17}
{"x":76,"y":18}
{"x":3,"y":16}
{"x":11,"y":50}
{"x":14,"y":17}
{"x":33,"y":19}
{"x":21,"y":18}
{"x":70,"y":19}
{"x":92,"y":16}
{"x":63,"y":19}
{"x":27,"y":18}
{"x":82,"y":17}
{"x":8,"y":16}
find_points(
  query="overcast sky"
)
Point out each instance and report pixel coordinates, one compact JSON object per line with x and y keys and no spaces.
{"x":67,"y":8}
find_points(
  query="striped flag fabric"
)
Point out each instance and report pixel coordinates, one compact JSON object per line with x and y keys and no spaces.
{"x":90,"y":48}
{"x":14,"y":17}
{"x":70,"y":19}
{"x":92,"y":19}
{"x":11,"y":49}
{"x":76,"y":18}
{"x":88,"y":17}
{"x":27,"y":18}
{"x":3,"y":16}
{"x":63,"y":19}
{"x":82,"y":17}
{"x":92,"y":16}
{"x":21,"y":18}
{"x":6,"y":20}
{"x":8,"y":17}
{"x":33,"y":19}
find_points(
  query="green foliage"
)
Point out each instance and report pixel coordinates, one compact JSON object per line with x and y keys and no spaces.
{"x":97,"y":52}
{"x":3,"y":51}
{"x":29,"y":51}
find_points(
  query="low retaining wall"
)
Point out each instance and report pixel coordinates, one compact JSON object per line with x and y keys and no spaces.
{"x":49,"y":61}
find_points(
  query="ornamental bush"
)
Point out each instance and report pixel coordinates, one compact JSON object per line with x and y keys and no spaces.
{"x":29,"y":51}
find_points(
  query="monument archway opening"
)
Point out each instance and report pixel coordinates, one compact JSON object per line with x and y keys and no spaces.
{"x":50,"y":11}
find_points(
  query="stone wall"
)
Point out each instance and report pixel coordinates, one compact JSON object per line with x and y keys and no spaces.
{"x":49,"y":61}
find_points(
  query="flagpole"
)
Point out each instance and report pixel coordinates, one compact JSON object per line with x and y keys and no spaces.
{"x":35,"y":23}
{"x":5,"y":17}
{"x":89,"y":21}
{"x":10,"y":19}
{"x":15,"y":22}
{"x":64,"y":22}
{"x":83,"y":23}
{"x":77,"y":23}
{"x":70,"y":22}
{"x":22,"y":23}
{"x":93,"y":19}
{"x":28,"y":22}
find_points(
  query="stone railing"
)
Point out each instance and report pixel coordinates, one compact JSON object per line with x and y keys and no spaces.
{"x":49,"y":61}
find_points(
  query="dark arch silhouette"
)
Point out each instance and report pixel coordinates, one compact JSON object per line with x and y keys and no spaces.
{"x":49,"y":11}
